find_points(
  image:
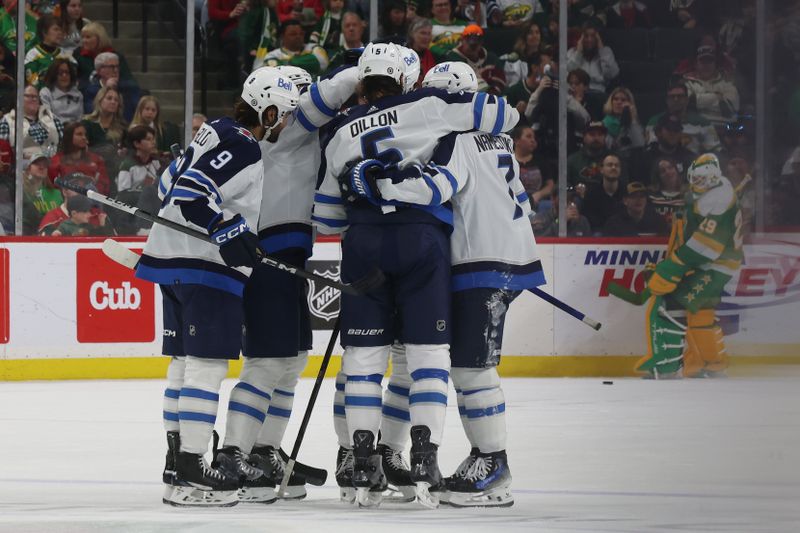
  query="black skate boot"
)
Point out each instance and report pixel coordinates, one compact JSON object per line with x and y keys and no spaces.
{"x":461,"y":470}
{"x":234,"y":463}
{"x":173,"y":445}
{"x":199,"y":485}
{"x":270,"y":461}
{"x":368,"y":477}
{"x":425,"y":467}
{"x":398,"y":475}
{"x":486,"y":482}
{"x":344,"y":475}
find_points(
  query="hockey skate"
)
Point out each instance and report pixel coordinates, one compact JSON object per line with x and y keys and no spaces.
{"x":253,"y":487}
{"x":398,"y":476}
{"x":368,"y":477}
{"x":482,"y":480}
{"x":344,"y":475}
{"x":196,"y":484}
{"x":425,"y":467}
{"x":173,"y":445}
{"x":271,"y":462}
{"x":463,"y":468}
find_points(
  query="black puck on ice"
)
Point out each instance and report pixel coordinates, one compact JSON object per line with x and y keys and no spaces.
{"x":608,"y":383}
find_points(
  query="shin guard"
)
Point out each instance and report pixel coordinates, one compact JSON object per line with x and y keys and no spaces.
{"x":339,"y":419}
{"x":483,"y":415}
{"x":665,"y":341}
{"x":280,"y":407}
{"x":429,"y":366}
{"x":175,"y":371}
{"x":705,"y":342}
{"x":198,"y":402}
{"x":364,"y":367}
{"x":396,"y":419}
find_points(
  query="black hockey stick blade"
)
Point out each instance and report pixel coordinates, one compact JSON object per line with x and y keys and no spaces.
{"x":313,"y":476}
{"x":175,"y":150}
{"x":374,"y":279}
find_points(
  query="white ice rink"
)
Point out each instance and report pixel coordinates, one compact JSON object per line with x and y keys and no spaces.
{"x":635,"y":456}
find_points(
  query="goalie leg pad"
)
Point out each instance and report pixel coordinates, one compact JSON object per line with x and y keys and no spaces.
{"x":705,"y":340}
{"x":280,"y":407}
{"x":396,"y":421}
{"x":198,"y":401}
{"x":483,"y":413}
{"x":665,"y":341}
{"x":250,"y":399}
{"x":175,"y":371}
{"x":339,"y":419}
{"x":364,"y":367}
{"x":429,"y":367}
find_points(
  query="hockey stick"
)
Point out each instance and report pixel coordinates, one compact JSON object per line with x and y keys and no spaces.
{"x":290,"y":464}
{"x":357,"y":288}
{"x":552,"y":300}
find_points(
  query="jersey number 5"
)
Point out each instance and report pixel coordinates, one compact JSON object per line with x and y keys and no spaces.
{"x":505,"y":161}
{"x":369,"y":147}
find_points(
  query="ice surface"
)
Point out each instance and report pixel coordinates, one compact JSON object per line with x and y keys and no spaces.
{"x":635,"y":456}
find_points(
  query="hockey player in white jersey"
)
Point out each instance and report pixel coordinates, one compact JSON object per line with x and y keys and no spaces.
{"x":277,"y":333}
{"x":494,"y":258}
{"x":410,"y":245}
{"x":214,"y":187}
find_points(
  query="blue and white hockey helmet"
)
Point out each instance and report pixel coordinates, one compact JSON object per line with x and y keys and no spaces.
{"x":452,"y":76}
{"x":411,"y":68}
{"x":704,"y":173}
{"x":268,"y":86}
{"x":381,"y":59}
{"x":299,"y":76}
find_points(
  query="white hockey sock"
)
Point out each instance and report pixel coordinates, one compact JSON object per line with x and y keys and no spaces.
{"x":280,"y":407}
{"x":173,"y":391}
{"x":462,"y":411}
{"x":396,"y":420}
{"x":250,"y":399}
{"x":429,"y":366}
{"x":339,"y":418}
{"x":198,"y":401}
{"x":483,"y":414}
{"x":364,"y":367}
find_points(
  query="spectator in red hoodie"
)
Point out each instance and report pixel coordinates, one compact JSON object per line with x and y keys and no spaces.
{"x":628,"y":14}
{"x":75,"y":156}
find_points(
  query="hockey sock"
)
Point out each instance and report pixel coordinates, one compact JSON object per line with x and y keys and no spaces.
{"x":396,"y":420}
{"x":280,"y":407}
{"x":174,"y":385}
{"x":364,"y":367}
{"x":339,"y":419}
{"x":198,"y":401}
{"x":483,"y":414}
{"x":250,"y":399}
{"x":429,"y":366}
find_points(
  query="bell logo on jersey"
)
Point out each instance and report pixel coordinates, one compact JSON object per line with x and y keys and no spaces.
{"x":5,"y":310}
{"x":112,"y":305}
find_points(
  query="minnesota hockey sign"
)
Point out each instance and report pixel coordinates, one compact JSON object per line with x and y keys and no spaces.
{"x":323,"y":301}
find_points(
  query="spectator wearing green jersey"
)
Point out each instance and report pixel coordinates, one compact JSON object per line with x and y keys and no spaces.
{"x":8,"y":26}
{"x":38,"y":197}
{"x":40,"y":57}
{"x":447,"y":30}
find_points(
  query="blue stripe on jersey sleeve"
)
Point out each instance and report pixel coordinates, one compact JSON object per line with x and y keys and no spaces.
{"x":436,"y":197}
{"x":303,"y":120}
{"x":522,"y":198}
{"x":204,"y":181}
{"x":325,"y":199}
{"x":319,"y":103}
{"x":452,"y":179}
{"x":295,"y":239}
{"x":497,"y":280}
{"x":500,"y":118}
{"x":477,"y":110}
{"x":330,"y":222}
{"x":187,"y":194}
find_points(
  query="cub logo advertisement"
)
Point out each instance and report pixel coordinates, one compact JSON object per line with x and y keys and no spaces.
{"x":323,"y":301}
{"x":5,"y":314}
{"x":112,"y":305}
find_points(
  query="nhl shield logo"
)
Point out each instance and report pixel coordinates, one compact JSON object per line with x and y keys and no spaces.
{"x":323,"y":301}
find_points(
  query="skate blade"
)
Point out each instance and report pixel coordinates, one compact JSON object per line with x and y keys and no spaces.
{"x":366,"y":498}
{"x":264,"y":495}
{"x":424,"y":496}
{"x":297,"y":492}
{"x":498,"y":497}
{"x":347,"y":494}
{"x":168,"y":492}
{"x":400,"y":493}
{"x":194,"y":497}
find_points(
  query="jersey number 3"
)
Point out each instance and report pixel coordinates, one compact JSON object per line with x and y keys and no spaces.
{"x":505,"y":161}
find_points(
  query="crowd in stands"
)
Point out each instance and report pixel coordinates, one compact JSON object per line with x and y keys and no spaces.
{"x":651,"y":85}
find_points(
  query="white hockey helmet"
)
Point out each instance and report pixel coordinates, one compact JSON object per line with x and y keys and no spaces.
{"x":704,"y":173}
{"x":453,"y":76}
{"x":411,"y":68}
{"x":299,"y":76}
{"x":268,"y":86}
{"x":381,"y":59}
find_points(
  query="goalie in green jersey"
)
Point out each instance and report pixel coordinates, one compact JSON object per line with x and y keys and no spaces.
{"x":692,"y":277}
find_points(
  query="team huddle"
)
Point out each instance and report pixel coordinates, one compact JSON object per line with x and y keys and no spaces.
{"x":422,"y":184}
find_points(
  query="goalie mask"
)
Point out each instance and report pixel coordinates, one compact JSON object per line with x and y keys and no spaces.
{"x":704,"y":173}
{"x":298,"y":76}
{"x":452,"y":76}
{"x":268,"y":86}
{"x":411,"y":69}
{"x":381,"y":59}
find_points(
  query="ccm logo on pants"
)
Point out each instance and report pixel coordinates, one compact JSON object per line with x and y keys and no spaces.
{"x":112,"y":305}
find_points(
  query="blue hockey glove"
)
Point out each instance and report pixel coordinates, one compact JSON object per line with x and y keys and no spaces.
{"x":237,"y":245}
{"x":359,"y":181}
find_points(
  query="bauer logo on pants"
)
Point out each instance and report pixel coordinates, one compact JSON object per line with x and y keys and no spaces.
{"x":323,"y":301}
{"x":5,"y":312}
{"x":113,"y":305}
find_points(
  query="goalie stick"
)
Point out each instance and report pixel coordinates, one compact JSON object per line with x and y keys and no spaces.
{"x":358,"y":288}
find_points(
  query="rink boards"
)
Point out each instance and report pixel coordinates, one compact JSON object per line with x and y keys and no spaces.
{"x":67,"y":312}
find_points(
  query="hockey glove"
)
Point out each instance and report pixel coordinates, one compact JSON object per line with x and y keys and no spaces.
{"x":668,"y":273}
{"x":359,"y":181}
{"x":237,"y":245}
